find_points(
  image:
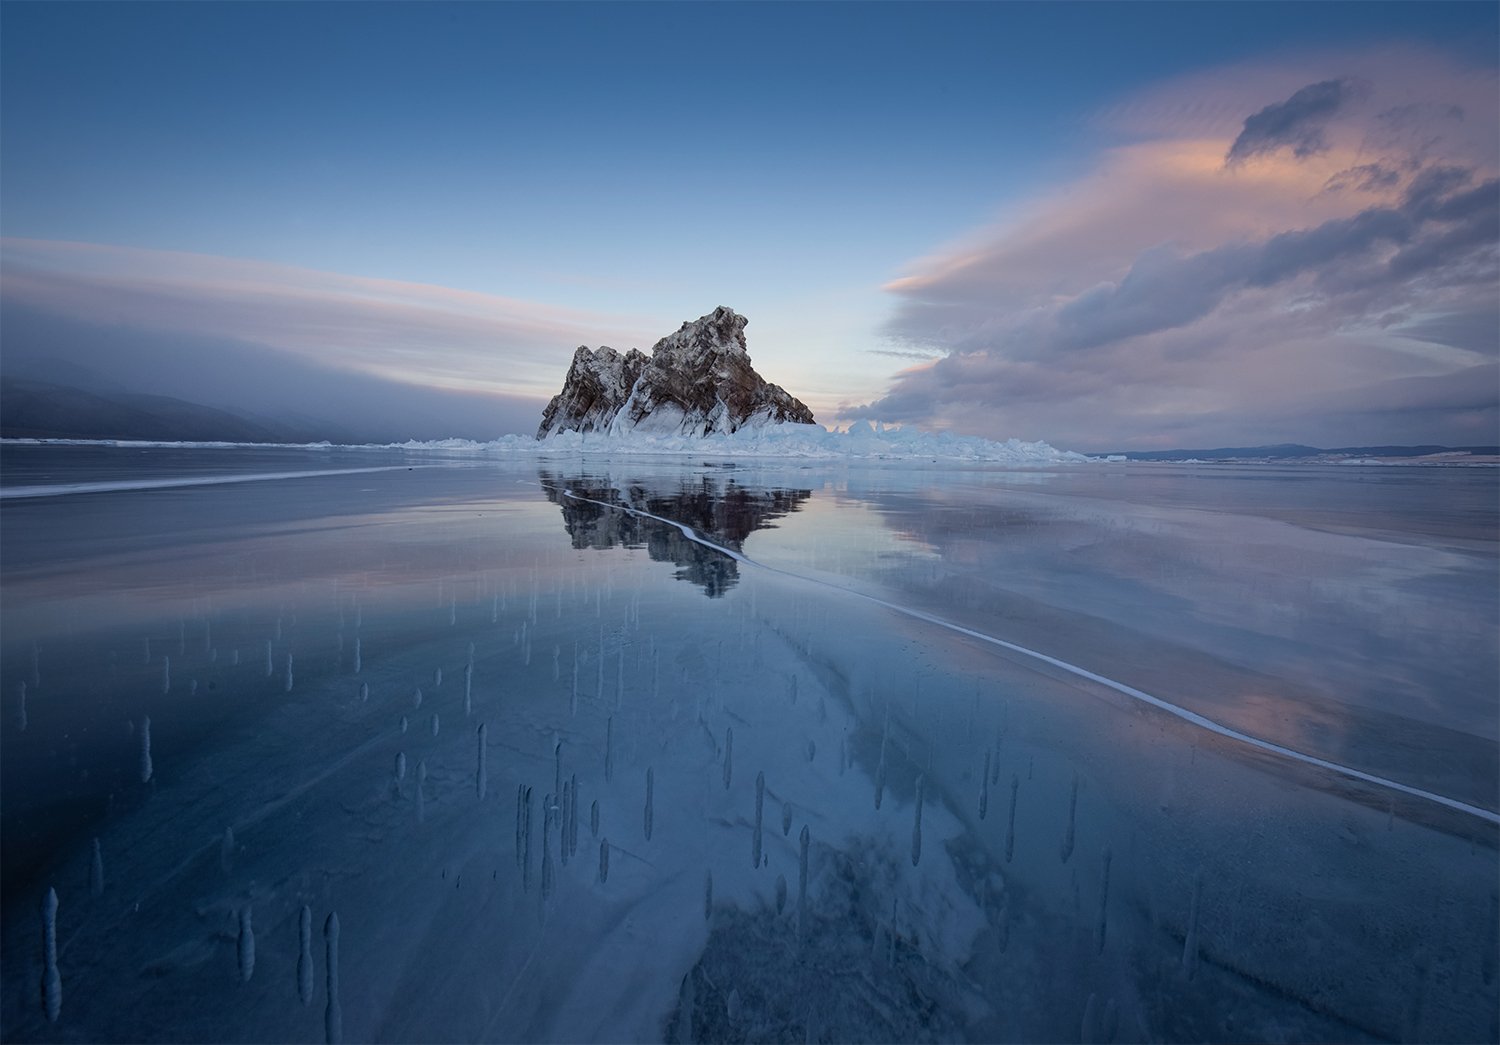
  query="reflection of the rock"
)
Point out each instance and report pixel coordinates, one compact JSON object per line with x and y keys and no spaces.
{"x":721,"y":510}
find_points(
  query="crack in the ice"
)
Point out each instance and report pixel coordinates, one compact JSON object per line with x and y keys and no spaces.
{"x":1191,"y":717}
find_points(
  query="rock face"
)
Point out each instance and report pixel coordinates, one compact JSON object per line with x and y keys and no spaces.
{"x":698,"y":381}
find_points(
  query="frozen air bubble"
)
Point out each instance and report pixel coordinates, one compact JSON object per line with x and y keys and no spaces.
{"x":526,"y":841}
{"x":245,"y":951}
{"x":357,"y":662}
{"x":404,"y":725}
{"x":333,"y":1015}
{"x":166,"y":674}
{"x":594,"y":819}
{"x":364,"y":692}
{"x":1067,"y":843}
{"x":146,"y":767}
{"x":481,"y":783}
{"x":572,"y":840}
{"x":728,"y":755}
{"x":437,"y":678}
{"x":434,"y":724}
{"x":51,"y":979}
{"x":547,"y":852}
{"x":786,"y":819}
{"x":984,"y":787}
{"x":650,"y":783}
{"x":916,"y":827}
{"x":603,"y":860}
{"x":270,"y":663}
{"x":416,"y":698}
{"x":304,"y":956}
{"x":805,"y":840}
{"x":760,"y":798}
{"x":288,"y":672}
{"x":1010,"y":829}
{"x":1104,"y":900}
{"x":1190,"y":939}
{"x":400,"y":766}
{"x":96,"y":870}
{"x":567,"y":821}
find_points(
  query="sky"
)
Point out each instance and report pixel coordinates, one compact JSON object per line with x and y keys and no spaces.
{"x":1108,"y":226}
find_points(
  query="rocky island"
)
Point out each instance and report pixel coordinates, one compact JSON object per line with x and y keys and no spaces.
{"x":698,"y":381}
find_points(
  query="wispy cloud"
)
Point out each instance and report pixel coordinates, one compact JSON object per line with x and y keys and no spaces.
{"x":415,"y":333}
{"x":1278,"y":251}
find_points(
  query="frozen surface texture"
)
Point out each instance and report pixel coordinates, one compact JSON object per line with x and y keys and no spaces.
{"x":875,"y":772}
{"x":697,"y":381}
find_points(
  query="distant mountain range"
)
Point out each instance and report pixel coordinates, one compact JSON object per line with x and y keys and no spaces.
{"x":1296,"y":451}
{"x":41,"y":410}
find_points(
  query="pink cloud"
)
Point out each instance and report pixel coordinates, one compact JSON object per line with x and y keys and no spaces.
{"x":1172,"y":295}
{"x":415,"y":333}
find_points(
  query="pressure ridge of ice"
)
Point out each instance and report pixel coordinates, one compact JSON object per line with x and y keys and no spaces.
{"x":861,"y":440}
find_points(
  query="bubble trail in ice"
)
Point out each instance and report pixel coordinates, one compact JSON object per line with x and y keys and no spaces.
{"x":603,"y":860}
{"x":802,"y":884}
{"x":594,"y":819}
{"x":304,"y":956}
{"x":146,"y":766}
{"x":1104,"y":900}
{"x":786,"y":819}
{"x":270,"y":663}
{"x":567,"y":819}
{"x":357,"y":662}
{"x":1191,"y":717}
{"x":333,"y":1015}
{"x":728,"y":755}
{"x":760,"y":799}
{"x":1067,"y":842}
{"x":649,"y":812}
{"x":481,"y":783}
{"x":1190,"y":940}
{"x":526,"y":841}
{"x":51,"y":979}
{"x":96,"y":870}
{"x":1010,"y":830}
{"x":245,"y":951}
{"x":400,"y":766}
{"x":166,"y":674}
{"x":288,"y":672}
{"x":573,"y":818}
{"x":469,"y":689}
{"x":609,"y":752}
{"x":916,"y":827}
{"x":984,"y":787}
{"x":708,"y":895}
{"x":547,"y":847}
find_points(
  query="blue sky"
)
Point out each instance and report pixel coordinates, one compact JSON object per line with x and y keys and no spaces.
{"x":447,"y":199}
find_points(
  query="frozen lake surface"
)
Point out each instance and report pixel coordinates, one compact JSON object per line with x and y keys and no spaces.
{"x":383,"y":746}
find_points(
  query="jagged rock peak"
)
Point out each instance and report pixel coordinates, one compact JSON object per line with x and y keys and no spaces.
{"x":698,"y":381}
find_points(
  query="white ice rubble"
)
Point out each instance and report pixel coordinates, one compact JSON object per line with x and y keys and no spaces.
{"x":859,"y":440}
